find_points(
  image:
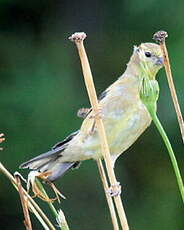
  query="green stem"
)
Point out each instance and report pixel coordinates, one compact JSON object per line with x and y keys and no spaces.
{"x":54,"y":211}
{"x":170,"y":151}
{"x":32,"y":204}
{"x":63,"y":225}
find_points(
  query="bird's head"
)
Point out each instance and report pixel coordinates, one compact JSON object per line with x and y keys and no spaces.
{"x":149,"y":55}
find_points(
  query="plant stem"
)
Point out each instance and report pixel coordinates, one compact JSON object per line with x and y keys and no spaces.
{"x":63,"y":225}
{"x":172,"y":89}
{"x":32,"y":204}
{"x":62,"y":220}
{"x":109,"y":198}
{"x":24,"y":203}
{"x":160,"y":36}
{"x":170,"y":151}
{"x":88,"y":78}
{"x":54,"y":211}
{"x":36,"y":213}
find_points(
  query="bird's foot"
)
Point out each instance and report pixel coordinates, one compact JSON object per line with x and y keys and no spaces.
{"x":83,"y":112}
{"x":37,"y":190}
{"x":114,"y":190}
{"x":97,"y":114}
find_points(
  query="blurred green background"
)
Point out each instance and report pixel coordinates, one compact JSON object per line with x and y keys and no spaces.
{"x":41,"y":89}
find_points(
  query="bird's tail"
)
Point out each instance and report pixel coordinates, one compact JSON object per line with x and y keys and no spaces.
{"x":57,"y":169}
{"x":54,"y":168}
{"x":51,"y":161}
{"x":48,"y":162}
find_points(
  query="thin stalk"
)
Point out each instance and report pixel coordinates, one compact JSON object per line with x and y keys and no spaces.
{"x":88,"y":78}
{"x":172,"y":89}
{"x":36,"y":213}
{"x":59,"y":216}
{"x":32,"y":204}
{"x":62,"y":220}
{"x":109,"y":198}
{"x":54,"y":211}
{"x":24,"y":203}
{"x":149,"y":93}
{"x":170,"y":151}
{"x":160,"y":36}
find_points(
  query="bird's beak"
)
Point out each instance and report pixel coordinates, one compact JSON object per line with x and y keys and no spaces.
{"x":160,"y":61}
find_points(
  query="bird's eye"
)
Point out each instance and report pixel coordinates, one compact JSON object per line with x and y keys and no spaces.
{"x":147,"y":54}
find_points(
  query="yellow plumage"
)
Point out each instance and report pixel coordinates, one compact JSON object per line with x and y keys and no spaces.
{"x":124,"y":115}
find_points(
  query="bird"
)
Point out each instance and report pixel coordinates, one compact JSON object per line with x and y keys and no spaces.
{"x":124,"y":115}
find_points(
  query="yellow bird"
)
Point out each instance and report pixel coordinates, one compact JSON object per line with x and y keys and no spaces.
{"x":124,"y":116}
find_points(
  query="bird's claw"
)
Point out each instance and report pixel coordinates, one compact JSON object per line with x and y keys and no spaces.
{"x":37,"y":190}
{"x":114,"y":190}
{"x":97,"y":114}
{"x":83,"y":112}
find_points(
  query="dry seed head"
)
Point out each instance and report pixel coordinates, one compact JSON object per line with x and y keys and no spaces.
{"x":77,"y":37}
{"x":160,"y":36}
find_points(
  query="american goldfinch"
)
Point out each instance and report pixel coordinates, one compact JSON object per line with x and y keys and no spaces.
{"x":124,"y":116}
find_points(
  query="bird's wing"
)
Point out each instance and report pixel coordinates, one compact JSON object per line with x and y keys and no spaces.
{"x":52,"y":155}
{"x":65,"y":141}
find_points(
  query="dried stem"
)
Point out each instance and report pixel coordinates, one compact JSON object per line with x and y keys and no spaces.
{"x":24,"y":202}
{"x":160,"y":37}
{"x":109,"y":198}
{"x":78,"y":39}
{"x":32,"y":204}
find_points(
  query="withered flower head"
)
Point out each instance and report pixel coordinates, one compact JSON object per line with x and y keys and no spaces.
{"x":1,"y":139}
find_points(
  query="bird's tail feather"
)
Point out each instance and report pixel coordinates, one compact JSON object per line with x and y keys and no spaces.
{"x":51,"y":160}
{"x":48,"y":162}
{"x":58,"y":169}
{"x":39,"y":161}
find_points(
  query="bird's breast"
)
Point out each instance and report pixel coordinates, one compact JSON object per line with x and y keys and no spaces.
{"x":123,"y":126}
{"x":125,"y":118}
